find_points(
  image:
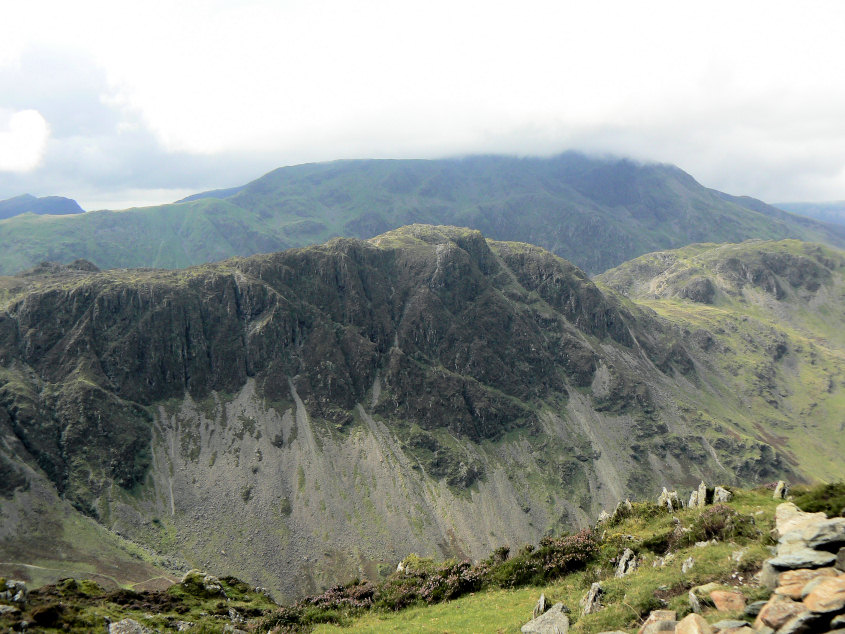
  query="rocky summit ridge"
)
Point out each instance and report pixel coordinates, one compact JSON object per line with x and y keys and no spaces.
{"x":299,"y":418}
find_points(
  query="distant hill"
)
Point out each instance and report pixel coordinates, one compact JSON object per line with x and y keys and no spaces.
{"x":828,"y":212}
{"x":52,"y":205}
{"x":596,"y":213}
{"x":214,"y":193}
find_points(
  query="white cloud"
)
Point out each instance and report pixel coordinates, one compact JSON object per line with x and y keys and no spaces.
{"x":746,"y":96}
{"x":23,"y":138}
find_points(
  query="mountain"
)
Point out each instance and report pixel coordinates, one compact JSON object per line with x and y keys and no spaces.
{"x":308,"y":416}
{"x":596,"y":213}
{"x":832,"y":212}
{"x":52,"y":205}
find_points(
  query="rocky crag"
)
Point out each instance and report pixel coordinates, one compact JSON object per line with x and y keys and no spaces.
{"x":304,"y":417}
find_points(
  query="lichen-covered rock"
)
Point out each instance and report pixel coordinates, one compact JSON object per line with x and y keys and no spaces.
{"x":804,"y":623}
{"x":627,"y":563}
{"x":789,"y":518}
{"x":540,"y":608}
{"x":201,"y":584}
{"x":553,"y":621}
{"x":592,"y":600}
{"x":693,"y":499}
{"x":693,"y":624}
{"x":781,"y":490}
{"x":702,"y":494}
{"x":776,"y":613}
{"x":828,"y":596}
{"x":721,"y":495}
{"x":827,"y":535}
{"x":803,"y":558}
{"x":728,"y":601}
{"x":662,"y":617}
{"x":794,"y":583}
{"x":128,"y":626}
{"x":669,"y":500}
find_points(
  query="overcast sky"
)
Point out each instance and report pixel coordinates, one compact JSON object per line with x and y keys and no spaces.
{"x":120,"y":103}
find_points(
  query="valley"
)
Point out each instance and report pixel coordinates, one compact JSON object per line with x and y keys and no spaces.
{"x":305,"y":417}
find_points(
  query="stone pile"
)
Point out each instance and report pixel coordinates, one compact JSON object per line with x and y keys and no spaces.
{"x":807,"y":574}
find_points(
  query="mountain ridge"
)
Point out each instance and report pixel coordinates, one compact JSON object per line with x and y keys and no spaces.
{"x":596,"y":213}
{"x":467,"y":391}
{"x":26,"y":203}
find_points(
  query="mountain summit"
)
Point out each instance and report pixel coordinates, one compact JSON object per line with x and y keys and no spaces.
{"x":597,"y":213}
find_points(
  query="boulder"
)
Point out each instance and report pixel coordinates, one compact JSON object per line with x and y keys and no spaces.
{"x":591,"y":603}
{"x":694,"y":603}
{"x":789,"y":517}
{"x":781,"y":490}
{"x":804,"y":623}
{"x":828,"y":535}
{"x":804,"y":558}
{"x":553,"y":621}
{"x":721,"y":495}
{"x":728,"y":601}
{"x":702,"y":494}
{"x":128,"y":626}
{"x":627,"y":563}
{"x":669,"y":500}
{"x":769,"y":576}
{"x":540,"y":608}
{"x":658,"y":617}
{"x":728,"y":624}
{"x":840,"y":560}
{"x":753,"y":609}
{"x":803,"y":575}
{"x":622,"y":510}
{"x":828,"y":596}
{"x":776,"y":613}
{"x":810,"y":586}
{"x":603,"y":517}
{"x":693,"y":499}
{"x":704,"y":591}
{"x":693,"y":624}
{"x":13,"y":590}
{"x":200,"y":584}
{"x":689,"y":562}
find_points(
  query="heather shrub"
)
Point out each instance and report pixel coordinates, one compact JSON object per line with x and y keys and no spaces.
{"x":553,"y":558}
{"x":828,"y":498}
{"x":719,"y":522}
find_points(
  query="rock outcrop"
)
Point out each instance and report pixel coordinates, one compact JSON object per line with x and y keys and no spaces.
{"x":808,"y":589}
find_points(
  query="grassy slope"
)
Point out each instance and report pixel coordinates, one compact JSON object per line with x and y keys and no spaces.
{"x":785,"y":358}
{"x":627,"y":600}
{"x":594,"y":213}
{"x":53,"y":540}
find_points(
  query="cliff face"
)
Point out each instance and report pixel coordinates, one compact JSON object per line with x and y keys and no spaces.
{"x":305,"y":416}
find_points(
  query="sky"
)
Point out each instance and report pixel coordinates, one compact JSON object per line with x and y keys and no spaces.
{"x":119,"y":104}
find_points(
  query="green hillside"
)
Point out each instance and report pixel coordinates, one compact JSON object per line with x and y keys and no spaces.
{"x":596,"y":213}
